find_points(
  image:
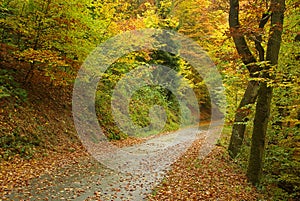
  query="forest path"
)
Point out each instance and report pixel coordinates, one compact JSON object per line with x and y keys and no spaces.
{"x":143,"y":167}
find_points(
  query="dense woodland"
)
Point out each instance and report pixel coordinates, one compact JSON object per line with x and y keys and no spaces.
{"x":253,"y":43}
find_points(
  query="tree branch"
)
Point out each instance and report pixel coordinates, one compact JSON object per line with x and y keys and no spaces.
{"x":239,"y":38}
{"x":277,"y":8}
{"x":258,"y":37}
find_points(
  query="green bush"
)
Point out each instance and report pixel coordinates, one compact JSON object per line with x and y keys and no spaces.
{"x":14,"y":144}
{"x":10,"y":88}
{"x":141,"y":103}
{"x":282,"y":163}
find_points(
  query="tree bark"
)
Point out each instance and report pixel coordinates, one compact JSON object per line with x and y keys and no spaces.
{"x":250,"y":94}
{"x":241,"y":119}
{"x":259,"y":132}
{"x":263,"y":105}
{"x":238,"y":37}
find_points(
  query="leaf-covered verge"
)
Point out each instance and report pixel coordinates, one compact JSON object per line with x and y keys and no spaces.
{"x":36,"y":116}
{"x":37,"y":134}
{"x":216,"y":177}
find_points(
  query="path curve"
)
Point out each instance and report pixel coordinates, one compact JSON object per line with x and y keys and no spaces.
{"x":90,"y":180}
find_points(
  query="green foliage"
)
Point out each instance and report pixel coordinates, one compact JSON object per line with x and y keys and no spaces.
{"x":282,"y":156}
{"x":281,"y":166}
{"x":282,"y":162}
{"x":140,"y":103}
{"x":146,"y":98}
{"x":47,"y":33}
{"x":9,"y":88}
{"x":14,"y":143}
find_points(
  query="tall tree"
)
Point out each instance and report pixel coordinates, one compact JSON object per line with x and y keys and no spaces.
{"x":262,"y":110}
{"x":256,"y":88}
{"x":250,"y":61}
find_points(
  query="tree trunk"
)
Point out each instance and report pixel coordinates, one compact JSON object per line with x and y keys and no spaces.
{"x":259,"y":132}
{"x":241,"y":119}
{"x":262,"y":113}
{"x":250,"y":94}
